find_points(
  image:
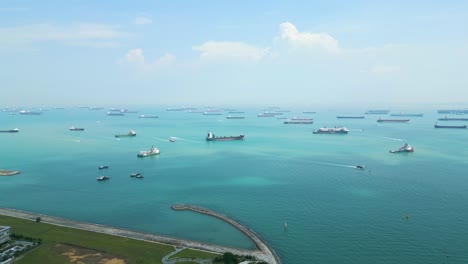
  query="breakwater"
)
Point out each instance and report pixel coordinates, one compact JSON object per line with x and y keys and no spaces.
{"x":178,"y":242}
{"x":269,"y":255}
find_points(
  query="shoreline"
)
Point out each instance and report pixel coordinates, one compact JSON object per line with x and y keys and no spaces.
{"x":148,"y":237}
{"x":9,"y":172}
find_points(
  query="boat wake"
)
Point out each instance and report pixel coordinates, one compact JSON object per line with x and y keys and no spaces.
{"x":188,"y":140}
{"x":335,"y":164}
{"x":396,"y":139}
{"x":162,"y":139}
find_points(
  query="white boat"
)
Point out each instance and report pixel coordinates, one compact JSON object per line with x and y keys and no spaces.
{"x":146,"y":153}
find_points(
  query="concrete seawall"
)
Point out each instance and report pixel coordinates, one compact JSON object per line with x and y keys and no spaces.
{"x":269,"y":255}
{"x":261,"y":255}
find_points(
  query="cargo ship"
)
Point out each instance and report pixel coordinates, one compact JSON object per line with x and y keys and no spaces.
{"x":15,"y":130}
{"x":453,"y":111}
{"x":235,"y":117}
{"x":377,"y":112}
{"x":453,"y":119}
{"x":236,"y":112}
{"x":27,"y":112}
{"x":407,"y":115}
{"x":212,"y":137}
{"x":393,"y":120}
{"x":333,"y":130}
{"x":146,"y":116}
{"x":266,"y":115}
{"x":298,"y":121}
{"x":211,"y":113}
{"x":308,"y":112}
{"x":115,"y":113}
{"x":350,"y":117}
{"x":443,"y":126}
{"x":131,"y":133}
{"x":72,"y":128}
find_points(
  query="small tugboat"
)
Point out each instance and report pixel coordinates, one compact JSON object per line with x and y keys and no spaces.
{"x":131,"y":133}
{"x":15,"y":130}
{"x":360,"y":167}
{"x":103,"y":167}
{"x":212,"y":137}
{"x":405,"y":148}
{"x":103,"y":178}
{"x":334,"y":130}
{"x":171,"y":139}
{"x":146,"y":153}
{"x":72,"y":128}
{"x":136,"y":175}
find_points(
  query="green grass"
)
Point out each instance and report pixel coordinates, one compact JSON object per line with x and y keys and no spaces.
{"x":194,"y":254}
{"x":133,"y":251}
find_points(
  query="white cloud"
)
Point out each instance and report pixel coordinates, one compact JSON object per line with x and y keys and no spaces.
{"x":80,"y":34}
{"x":142,"y":21}
{"x":289,"y":33}
{"x":230,"y":51}
{"x":136,"y":58}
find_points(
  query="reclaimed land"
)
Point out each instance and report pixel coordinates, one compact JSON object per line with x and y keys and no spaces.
{"x":58,"y":230}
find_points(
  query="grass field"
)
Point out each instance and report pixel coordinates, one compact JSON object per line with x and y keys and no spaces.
{"x":190,"y":253}
{"x":64,"y":245}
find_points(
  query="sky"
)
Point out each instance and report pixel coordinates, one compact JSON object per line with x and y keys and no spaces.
{"x":324,"y":53}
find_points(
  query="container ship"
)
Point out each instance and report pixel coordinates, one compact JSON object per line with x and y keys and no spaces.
{"x":212,"y":137}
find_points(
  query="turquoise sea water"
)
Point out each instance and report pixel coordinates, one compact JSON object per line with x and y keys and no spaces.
{"x":335,"y":213}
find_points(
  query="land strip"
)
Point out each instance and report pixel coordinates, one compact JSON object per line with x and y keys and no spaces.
{"x":140,"y":235}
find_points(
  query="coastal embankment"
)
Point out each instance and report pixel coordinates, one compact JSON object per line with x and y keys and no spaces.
{"x":260,"y":254}
{"x":269,"y":255}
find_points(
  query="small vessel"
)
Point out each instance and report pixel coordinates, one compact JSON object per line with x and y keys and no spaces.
{"x":443,"y":126}
{"x":453,"y":119}
{"x":407,"y":115}
{"x":146,"y":153}
{"x":405,"y":148}
{"x":377,"y":112}
{"x":350,"y":117}
{"x":299,"y":121}
{"x":146,"y":116}
{"x":27,"y":112}
{"x":381,"y":120}
{"x":285,"y":225}
{"x":266,"y":115}
{"x":103,"y":178}
{"x":115,"y":113}
{"x":15,"y":130}
{"x":212,"y":137}
{"x":136,"y":175}
{"x":453,"y":111}
{"x":103,"y":167}
{"x":333,"y":130}
{"x":172,"y":139}
{"x":131,"y":133}
{"x":235,"y":117}
{"x":360,"y":167}
{"x":72,"y":128}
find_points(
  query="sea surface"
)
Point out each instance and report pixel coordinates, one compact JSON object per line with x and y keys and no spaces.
{"x":403,"y":208}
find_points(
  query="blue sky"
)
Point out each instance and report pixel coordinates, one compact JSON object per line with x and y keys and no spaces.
{"x":324,"y":53}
